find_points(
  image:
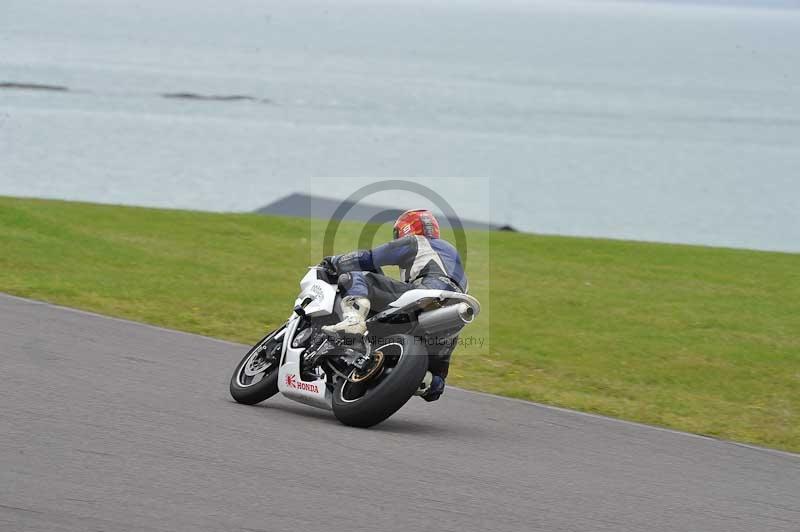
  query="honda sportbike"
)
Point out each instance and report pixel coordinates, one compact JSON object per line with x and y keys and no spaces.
{"x":362,"y":379}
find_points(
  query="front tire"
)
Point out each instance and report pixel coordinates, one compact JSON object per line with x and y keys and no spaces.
{"x":365,"y":405}
{"x":256,"y":379}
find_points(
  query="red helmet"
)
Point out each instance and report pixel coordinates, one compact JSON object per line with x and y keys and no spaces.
{"x":420,"y":222}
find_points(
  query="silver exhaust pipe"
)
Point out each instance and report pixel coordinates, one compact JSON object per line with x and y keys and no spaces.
{"x":446,"y":319}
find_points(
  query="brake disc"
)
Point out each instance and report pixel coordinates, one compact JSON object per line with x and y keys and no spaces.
{"x":372,"y":369}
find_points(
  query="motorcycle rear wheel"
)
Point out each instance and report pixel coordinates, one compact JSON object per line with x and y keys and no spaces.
{"x":367,"y":404}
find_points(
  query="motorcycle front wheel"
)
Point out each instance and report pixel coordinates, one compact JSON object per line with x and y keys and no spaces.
{"x":256,"y":376}
{"x":365,"y":404}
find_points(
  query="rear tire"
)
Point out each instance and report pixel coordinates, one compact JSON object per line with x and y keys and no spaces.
{"x":251,"y":394}
{"x":393,"y":390}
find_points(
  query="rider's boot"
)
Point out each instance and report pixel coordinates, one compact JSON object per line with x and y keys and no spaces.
{"x":432,"y":387}
{"x":436,"y":389}
{"x":354,"y":313}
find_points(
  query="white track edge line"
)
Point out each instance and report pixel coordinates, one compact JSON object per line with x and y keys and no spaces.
{"x":601,"y":417}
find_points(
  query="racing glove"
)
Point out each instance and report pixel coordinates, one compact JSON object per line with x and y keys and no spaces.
{"x":329,"y":265}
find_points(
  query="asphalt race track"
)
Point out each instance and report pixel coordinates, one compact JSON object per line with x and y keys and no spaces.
{"x":112,"y":425}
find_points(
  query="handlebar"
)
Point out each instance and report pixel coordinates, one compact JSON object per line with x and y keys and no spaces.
{"x":325,"y":274}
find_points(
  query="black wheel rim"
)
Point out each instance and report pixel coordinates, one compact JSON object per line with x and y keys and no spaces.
{"x":351,"y":392}
{"x":260,"y":362}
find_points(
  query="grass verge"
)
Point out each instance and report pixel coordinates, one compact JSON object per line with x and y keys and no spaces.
{"x":705,"y":340}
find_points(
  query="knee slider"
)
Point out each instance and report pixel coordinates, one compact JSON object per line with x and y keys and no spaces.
{"x":345,"y":282}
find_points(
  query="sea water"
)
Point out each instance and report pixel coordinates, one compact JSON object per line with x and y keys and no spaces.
{"x":641,"y":120}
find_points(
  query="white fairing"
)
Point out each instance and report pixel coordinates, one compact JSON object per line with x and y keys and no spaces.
{"x":322,"y":294}
{"x":322,"y":297}
{"x":313,"y":393}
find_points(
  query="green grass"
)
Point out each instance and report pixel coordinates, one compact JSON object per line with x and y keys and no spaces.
{"x":699,"y":339}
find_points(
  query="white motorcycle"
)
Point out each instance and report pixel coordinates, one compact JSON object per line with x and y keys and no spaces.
{"x":363,"y":379}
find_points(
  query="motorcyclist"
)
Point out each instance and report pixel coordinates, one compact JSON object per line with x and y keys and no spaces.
{"x":425,"y":261}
